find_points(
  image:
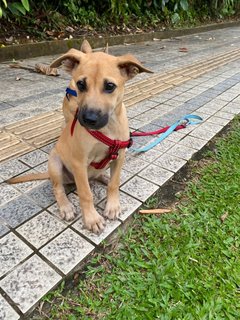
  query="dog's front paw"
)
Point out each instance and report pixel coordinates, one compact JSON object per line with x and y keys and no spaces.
{"x":94,"y":222}
{"x":67,"y":212}
{"x":112,"y":210}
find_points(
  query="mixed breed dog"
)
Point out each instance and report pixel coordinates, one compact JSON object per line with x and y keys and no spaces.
{"x":95,"y":135}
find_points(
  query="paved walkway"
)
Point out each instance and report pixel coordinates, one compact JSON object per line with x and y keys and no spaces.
{"x":37,"y":249}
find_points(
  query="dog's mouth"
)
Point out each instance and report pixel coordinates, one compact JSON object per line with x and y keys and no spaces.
{"x":92,"y":119}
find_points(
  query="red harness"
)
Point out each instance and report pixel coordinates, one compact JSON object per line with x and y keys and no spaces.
{"x":114,"y":145}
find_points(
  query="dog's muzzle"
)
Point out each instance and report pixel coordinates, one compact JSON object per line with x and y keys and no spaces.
{"x":92,"y":119}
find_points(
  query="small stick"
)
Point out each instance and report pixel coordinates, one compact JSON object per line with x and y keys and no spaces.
{"x":154,"y":211}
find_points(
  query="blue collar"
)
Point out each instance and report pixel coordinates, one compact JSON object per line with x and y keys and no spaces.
{"x":70,"y":92}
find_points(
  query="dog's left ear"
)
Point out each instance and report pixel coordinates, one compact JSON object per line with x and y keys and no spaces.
{"x":129,"y":66}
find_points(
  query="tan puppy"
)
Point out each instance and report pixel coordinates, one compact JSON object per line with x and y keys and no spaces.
{"x":98,"y":79}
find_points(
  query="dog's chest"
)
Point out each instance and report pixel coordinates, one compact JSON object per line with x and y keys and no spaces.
{"x":98,"y":152}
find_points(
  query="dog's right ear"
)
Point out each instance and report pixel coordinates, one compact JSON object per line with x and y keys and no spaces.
{"x":85,"y":47}
{"x":70,"y":60}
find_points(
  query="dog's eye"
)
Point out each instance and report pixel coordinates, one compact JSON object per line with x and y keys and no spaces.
{"x":82,"y":85}
{"x":109,"y":87}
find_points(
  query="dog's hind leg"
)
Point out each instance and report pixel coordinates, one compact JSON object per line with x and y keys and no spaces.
{"x":55,"y":169}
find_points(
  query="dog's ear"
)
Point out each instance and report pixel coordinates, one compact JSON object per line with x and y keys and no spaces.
{"x":70,"y":60}
{"x":85,"y":47}
{"x":129,"y":66}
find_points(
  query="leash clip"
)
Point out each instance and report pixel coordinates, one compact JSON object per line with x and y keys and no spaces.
{"x":184,"y":122}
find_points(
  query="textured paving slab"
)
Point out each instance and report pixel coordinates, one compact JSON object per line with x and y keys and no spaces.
{"x":37,"y":248}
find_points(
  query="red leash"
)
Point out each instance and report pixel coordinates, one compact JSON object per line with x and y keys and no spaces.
{"x":151,"y":133}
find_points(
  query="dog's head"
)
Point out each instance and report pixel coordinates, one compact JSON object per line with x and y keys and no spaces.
{"x":99,"y":79}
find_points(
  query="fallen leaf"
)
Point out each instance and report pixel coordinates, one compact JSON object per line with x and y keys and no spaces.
{"x":41,"y":68}
{"x":183,"y":50}
{"x":10,"y":39}
{"x":154,"y":211}
{"x":224,"y":217}
{"x":69,"y":29}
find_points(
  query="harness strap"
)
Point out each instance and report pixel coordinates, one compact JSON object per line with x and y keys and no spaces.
{"x":114,"y":147}
{"x":74,"y":122}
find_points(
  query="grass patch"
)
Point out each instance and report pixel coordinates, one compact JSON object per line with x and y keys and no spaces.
{"x":183,"y":265}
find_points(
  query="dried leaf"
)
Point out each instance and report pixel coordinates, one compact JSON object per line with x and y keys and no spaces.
{"x":41,"y":68}
{"x":154,"y":211}
{"x":224,"y":217}
{"x":183,"y":49}
{"x":69,"y":29}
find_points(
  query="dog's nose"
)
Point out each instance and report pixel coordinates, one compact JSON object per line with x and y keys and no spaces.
{"x":92,"y":119}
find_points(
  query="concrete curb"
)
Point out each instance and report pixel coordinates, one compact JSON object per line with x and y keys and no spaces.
{"x":31,"y":50}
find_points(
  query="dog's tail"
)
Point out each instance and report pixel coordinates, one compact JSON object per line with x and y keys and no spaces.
{"x":29,"y":177}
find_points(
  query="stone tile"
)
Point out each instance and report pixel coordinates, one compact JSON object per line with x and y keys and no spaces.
{"x":67,"y":250}
{"x":99,"y":191}
{"x":161,"y":98}
{"x":193,"y":142}
{"x":140,"y":107}
{"x":176,"y":136}
{"x":206,"y":131}
{"x":7,"y":193}
{"x":12,"y":168}
{"x":228,"y":96}
{"x":204,"y":116}
{"x":156,"y":174}
{"x":148,"y":156}
{"x":43,"y":167}
{"x":3,"y":229}
{"x":139,"y":188}
{"x":134,"y":164}
{"x":182,"y":152}
{"x":40,"y":229}
{"x":164,"y":145}
{"x":48,"y":147}
{"x":224,"y":115}
{"x":170,"y":162}
{"x":216,"y":120}
{"x":6,"y":311}
{"x":150,"y":115}
{"x":135,"y":124}
{"x":12,"y":252}
{"x":164,"y":108}
{"x":125,"y":176}
{"x":74,"y":199}
{"x":149,"y":127}
{"x":18,"y":211}
{"x":232,"y":107}
{"x":110,"y":226}
{"x":128,"y":205}
{"x":43,"y":195}
{"x":34,"y":158}
{"x":29,"y":282}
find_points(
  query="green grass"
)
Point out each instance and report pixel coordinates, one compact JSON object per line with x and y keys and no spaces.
{"x":183,"y":265}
